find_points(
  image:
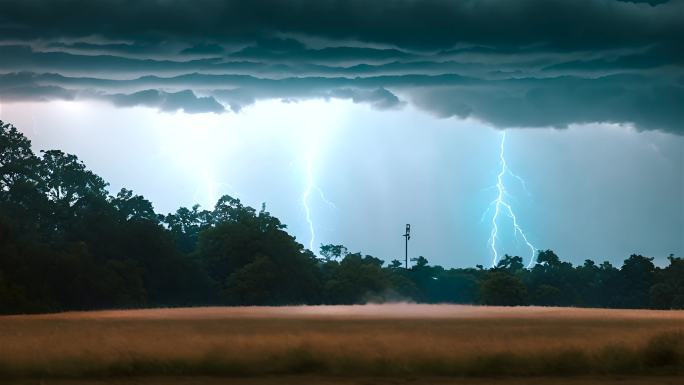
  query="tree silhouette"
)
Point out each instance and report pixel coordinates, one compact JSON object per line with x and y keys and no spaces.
{"x":503,"y":289}
{"x":333,"y":252}
{"x":17,"y":161}
{"x":510,"y":264}
{"x":65,"y":243}
{"x":65,"y":179}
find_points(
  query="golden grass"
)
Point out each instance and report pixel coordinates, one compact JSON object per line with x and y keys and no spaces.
{"x":375,"y":340}
{"x":339,"y":380}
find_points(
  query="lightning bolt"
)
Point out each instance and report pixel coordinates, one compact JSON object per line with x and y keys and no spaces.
{"x":500,"y":205}
{"x":306,"y":196}
{"x":305,"y":200}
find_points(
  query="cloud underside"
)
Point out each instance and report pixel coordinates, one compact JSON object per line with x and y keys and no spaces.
{"x":529,"y":63}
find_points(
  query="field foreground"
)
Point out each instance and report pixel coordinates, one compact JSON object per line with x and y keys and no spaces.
{"x":345,"y":344}
{"x":320,"y":380}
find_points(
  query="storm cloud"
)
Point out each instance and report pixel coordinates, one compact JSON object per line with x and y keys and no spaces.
{"x":526,"y":63}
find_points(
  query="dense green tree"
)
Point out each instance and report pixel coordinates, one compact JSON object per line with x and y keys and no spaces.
{"x":425,"y":278}
{"x":609,"y":285}
{"x":186,"y":224}
{"x":256,"y":283}
{"x":132,"y":207}
{"x":668,"y":291}
{"x":637,"y":275}
{"x":65,"y":179}
{"x":401,"y":286}
{"x":511,"y":264}
{"x":503,"y":289}
{"x":240,"y":235}
{"x":17,"y":161}
{"x":589,"y":274}
{"x":333,"y":252}
{"x":455,"y":286}
{"x":552,"y":281}
{"x":356,"y":279}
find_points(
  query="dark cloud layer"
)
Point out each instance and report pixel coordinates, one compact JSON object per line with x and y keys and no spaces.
{"x":511,"y":63}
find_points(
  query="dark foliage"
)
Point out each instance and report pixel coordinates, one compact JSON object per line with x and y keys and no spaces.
{"x":65,"y":244}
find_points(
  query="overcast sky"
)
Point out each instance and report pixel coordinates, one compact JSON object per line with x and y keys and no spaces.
{"x":397,"y":109}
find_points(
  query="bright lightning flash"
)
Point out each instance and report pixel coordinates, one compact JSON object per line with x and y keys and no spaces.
{"x":501,"y":204}
{"x":310,"y":187}
{"x":305,"y":201}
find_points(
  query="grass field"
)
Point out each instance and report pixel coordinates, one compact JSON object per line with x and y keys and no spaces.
{"x":341,"y":344}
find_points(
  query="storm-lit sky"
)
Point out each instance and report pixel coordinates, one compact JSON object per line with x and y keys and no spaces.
{"x":374,"y":114}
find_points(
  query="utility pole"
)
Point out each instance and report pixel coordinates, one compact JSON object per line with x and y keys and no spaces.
{"x":407,"y":236}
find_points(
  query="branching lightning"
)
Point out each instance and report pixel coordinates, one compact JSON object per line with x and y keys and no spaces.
{"x":323,"y":198}
{"x":305,"y":201}
{"x":501,"y":204}
{"x":310,"y":187}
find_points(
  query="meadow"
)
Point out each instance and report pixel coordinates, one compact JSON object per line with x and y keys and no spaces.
{"x":337,"y":343}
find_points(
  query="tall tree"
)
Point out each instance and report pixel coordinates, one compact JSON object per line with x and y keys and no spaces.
{"x":66,"y":180}
{"x":17,"y":160}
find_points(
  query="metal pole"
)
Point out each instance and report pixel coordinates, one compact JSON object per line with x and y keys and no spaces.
{"x":406,"y":236}
{"x":406,"y":253}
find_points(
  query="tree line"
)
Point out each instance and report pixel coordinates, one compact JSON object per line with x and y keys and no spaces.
{"x":67,"y":244}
